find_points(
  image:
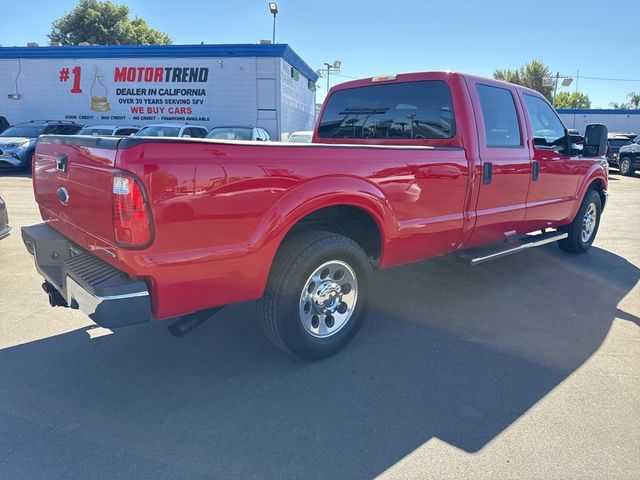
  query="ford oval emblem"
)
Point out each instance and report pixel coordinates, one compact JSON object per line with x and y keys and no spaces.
{"x":63,"y":195}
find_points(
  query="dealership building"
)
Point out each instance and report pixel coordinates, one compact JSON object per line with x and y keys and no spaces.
{"x":616,"y":120}
{"x":260,"y":85}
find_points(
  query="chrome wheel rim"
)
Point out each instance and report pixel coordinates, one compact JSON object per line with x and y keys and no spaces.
{"x":625,"y":166}
{"x":328,"y":299}
{"x":589,"y":222}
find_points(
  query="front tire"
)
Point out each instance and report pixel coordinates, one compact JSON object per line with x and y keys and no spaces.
{"x":626,"y":167}
{"x":582,"y":231}
{"x":317,"y":294}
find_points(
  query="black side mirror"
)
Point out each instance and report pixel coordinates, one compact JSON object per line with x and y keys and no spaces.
{"x":595,"y":140}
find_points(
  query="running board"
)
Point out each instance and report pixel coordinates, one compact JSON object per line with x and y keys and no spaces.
{"x":476,"y":256}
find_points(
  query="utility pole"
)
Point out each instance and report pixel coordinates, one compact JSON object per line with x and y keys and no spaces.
{"x":336,"y":68}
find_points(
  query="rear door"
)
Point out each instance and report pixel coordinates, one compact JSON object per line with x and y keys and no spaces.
{"x":556,"y":174}
{"x":506,"y":163}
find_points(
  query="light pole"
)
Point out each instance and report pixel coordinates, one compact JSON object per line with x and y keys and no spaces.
{"x":550,"y":81}
{"x":273,"y":8}
{"x":336,"y":67}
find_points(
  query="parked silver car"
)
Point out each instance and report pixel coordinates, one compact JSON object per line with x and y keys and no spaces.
{"x":4,"y":220}
{"x":172,"y":130}
{"x":109,"y":130}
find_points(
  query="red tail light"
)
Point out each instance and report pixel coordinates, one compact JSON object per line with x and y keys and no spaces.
{"x":132,"y":226}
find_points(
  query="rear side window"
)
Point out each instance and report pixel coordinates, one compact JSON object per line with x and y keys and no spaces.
{"x":501,"y":124}
{"x":409,"y":110}
{"x":198,"y":132}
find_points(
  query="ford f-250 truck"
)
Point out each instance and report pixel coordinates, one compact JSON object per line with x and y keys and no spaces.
{"x":401,"y":168}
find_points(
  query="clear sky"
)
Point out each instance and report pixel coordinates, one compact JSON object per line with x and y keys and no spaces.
{"x":373,"y":37}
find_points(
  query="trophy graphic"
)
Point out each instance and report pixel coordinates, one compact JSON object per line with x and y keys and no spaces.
{"x":99,"y":103}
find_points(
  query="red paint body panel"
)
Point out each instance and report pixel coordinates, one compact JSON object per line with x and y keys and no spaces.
{"x":221,"y":209}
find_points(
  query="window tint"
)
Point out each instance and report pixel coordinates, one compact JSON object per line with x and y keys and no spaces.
{"x":547,"y":127}
{"x":53,"y":130}
{"x":95,"y":131}
{"x":159,"y":131}
{"x":617,"y":143}
{"x":125,"y":132}
{"x":501,"y":125}
{"x":230,"y":133}
{"x":195,"y":132}
{"x":409,"y":110}
{"x":72,"y":129}
{"x":28,"y":131}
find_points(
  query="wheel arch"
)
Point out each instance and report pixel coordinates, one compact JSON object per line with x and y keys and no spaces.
{"x":323,"y":203}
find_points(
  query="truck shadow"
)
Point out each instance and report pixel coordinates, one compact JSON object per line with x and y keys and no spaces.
{"x":448,"y":351}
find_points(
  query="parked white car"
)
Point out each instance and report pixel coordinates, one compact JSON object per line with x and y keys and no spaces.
{"x":239,"y":133}
{"x":303,"y":136}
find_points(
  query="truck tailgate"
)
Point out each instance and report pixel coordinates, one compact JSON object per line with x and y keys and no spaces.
{"x":72,"y":180}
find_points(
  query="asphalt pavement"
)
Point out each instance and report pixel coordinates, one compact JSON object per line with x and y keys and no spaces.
{"x":525,"y":367}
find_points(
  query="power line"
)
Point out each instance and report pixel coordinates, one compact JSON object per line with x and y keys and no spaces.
{"x":611,"y":79}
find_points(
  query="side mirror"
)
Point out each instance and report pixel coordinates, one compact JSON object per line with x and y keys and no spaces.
{"x":595,"y":140}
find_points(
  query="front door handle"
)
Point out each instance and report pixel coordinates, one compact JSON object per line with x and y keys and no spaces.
{"x":535,"y":170}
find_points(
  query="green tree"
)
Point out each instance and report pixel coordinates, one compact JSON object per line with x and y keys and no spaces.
{"x":634,"y":100}
{"x":104,"y":23}
{"x":530,"y":75}
{"x":619,"y":106}
{"x":572,"y":100}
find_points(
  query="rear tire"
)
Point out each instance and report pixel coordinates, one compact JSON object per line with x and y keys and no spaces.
{"x":582,"y":231}
{"x":626,"y":167}
{"x":317,"y":294}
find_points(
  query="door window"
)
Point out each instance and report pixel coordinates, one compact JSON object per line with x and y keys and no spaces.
{"x":547,"y":128}
{"x":501,"y":125}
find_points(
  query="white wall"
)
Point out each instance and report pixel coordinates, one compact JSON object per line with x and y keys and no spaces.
{"x":615,"y":122}
{"x":297,"y":102}
{"x":237,"y":91}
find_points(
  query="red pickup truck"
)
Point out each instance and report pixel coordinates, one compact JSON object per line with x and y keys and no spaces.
{"x":401,"y":168}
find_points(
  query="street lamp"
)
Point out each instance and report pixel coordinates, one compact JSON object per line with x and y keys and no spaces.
{"x":273,"y":8}
{"x":551,"y":82}
{"x":336,"y":66}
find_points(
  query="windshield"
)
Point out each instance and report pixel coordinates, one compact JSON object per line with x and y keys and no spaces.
{"x":159,"y":131}
{"x":230,"y":133}
{"x":300,"y":138}
{"x":95,"y":131}
{"x":29,"y":131}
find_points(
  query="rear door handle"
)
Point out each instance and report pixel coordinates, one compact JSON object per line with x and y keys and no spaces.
{"x":535,"y":170}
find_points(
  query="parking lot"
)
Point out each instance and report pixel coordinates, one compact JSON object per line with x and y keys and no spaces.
{"x":526,"y":367}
